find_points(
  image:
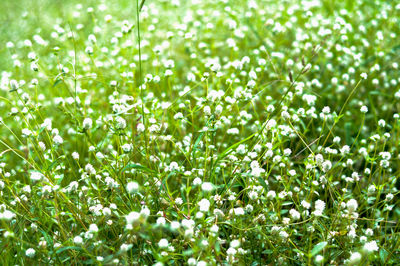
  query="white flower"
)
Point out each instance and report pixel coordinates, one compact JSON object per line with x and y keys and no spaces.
{"x":231,"y":252}
{"x":214,"y":229}
{"x":354,"y":258}
{"x":326,"y":165}
{"x":192,"y":262}
{"x":163,"y":243}
{"x":87,"y":123}
{"x":319,"y":259}
{"x":145,"y":212}
{"x":305,"y":204}
{"x":93,"y":228}
{"x":90,"y":169}
{"x":160,"y":221}
{"x":14,"y":85}
{"x":26,"y":132}
{"x":253,"y":195}
{"x":125,"y":247}
{"x":364,"y":109}
{"x":370,"y":247}
{"x":120,"y":123}
{"x":42,"y":146}
{"x":352,"y":205}
{"x":132,"y":187}
{"x":207,"y":187}
{"x":78,"y":240}
{"x":204,"y":205}
{"x":140,"y":127}
{"x":7,"y":215}
{"x":235,"y":244}
{"x":271,"y":194}
{"x":58,"y":140}
{"x":187,"y":223}
{"x":319,"y":207}
{"x":75,"y":156}
{"x":132,"y":218}
{"x":364,"y":75}
{"x":295,"y":214}
{"x":238,"y":211}
{"x":197,"y":181}
{"x":36,"y":176}
{"x":126,"y":147}
{"x":89,"y":50}
{"x":30,"y":252}
{"x":257,"y":171}
{"x":283,"y":234}
{"x":207,"y":110}
{"x":251,"y":84}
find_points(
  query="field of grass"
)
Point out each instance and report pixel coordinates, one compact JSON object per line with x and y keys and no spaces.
{"x":193,"y":132}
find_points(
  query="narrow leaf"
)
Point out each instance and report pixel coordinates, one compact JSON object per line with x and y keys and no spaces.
{"x":318,"y":248}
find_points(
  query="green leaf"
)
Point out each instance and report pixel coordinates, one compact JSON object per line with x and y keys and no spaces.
{"x":68,"y":248}
{"x":141,"y":5}
{"x":200,"y":137}
{"x":137,"y":166}
{"x":383,"y":255}
{"x":188,"y":252}
{"x":51,"y":166}
{"x":232,"y":147}
{"x":263,"y":184}
{"x":196,"y":143}
{"x":318,"y":248}
{"x":56,"y":82}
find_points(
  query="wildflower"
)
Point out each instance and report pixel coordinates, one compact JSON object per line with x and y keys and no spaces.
{"x":370,"y":247}
{"x":6,"y":215}
{"x":75,"y":155}
{"x":192,"y":262}
{"x":235,"y":244}
{"x":120,"y":123}
{"x":319,"y":259}
{"x":352,"y":205}
{"x":36,"y":176}
{"x":197,"y":181}
{"x":126,"y":147}
{"x":326,"y":165}
{"x":253,"y":195}
{"x":87,"y":123}
{"x":42,"y":146}
{"x":355,"y":258}
{"x":319,"y":207}
{"x":271,"y":194}
{"x":364,"y":75}
{"x":163,"y":243}
{"x":26,"y":132}
{"x":294,"y":214}
{"x":132,"y":218}
{"x":364,"y":109}
{"x":93,"y":228}
{"x":369,"y":232}
{"x":283,"y":234}
{"x":58,"y":140}
{"x":207,"y":187}
{"x":140,"y":127}
{"x":238,"y":211}
{"x":204,"y":205}
{"x":78,"y":240}
{"x":30,"y":252}
{"x":207,"y":110}
{"x":125,"y":247}
{"x":132,"y":187}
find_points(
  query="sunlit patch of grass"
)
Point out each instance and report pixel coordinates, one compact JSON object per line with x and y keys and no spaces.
{"x":235,"y":132}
